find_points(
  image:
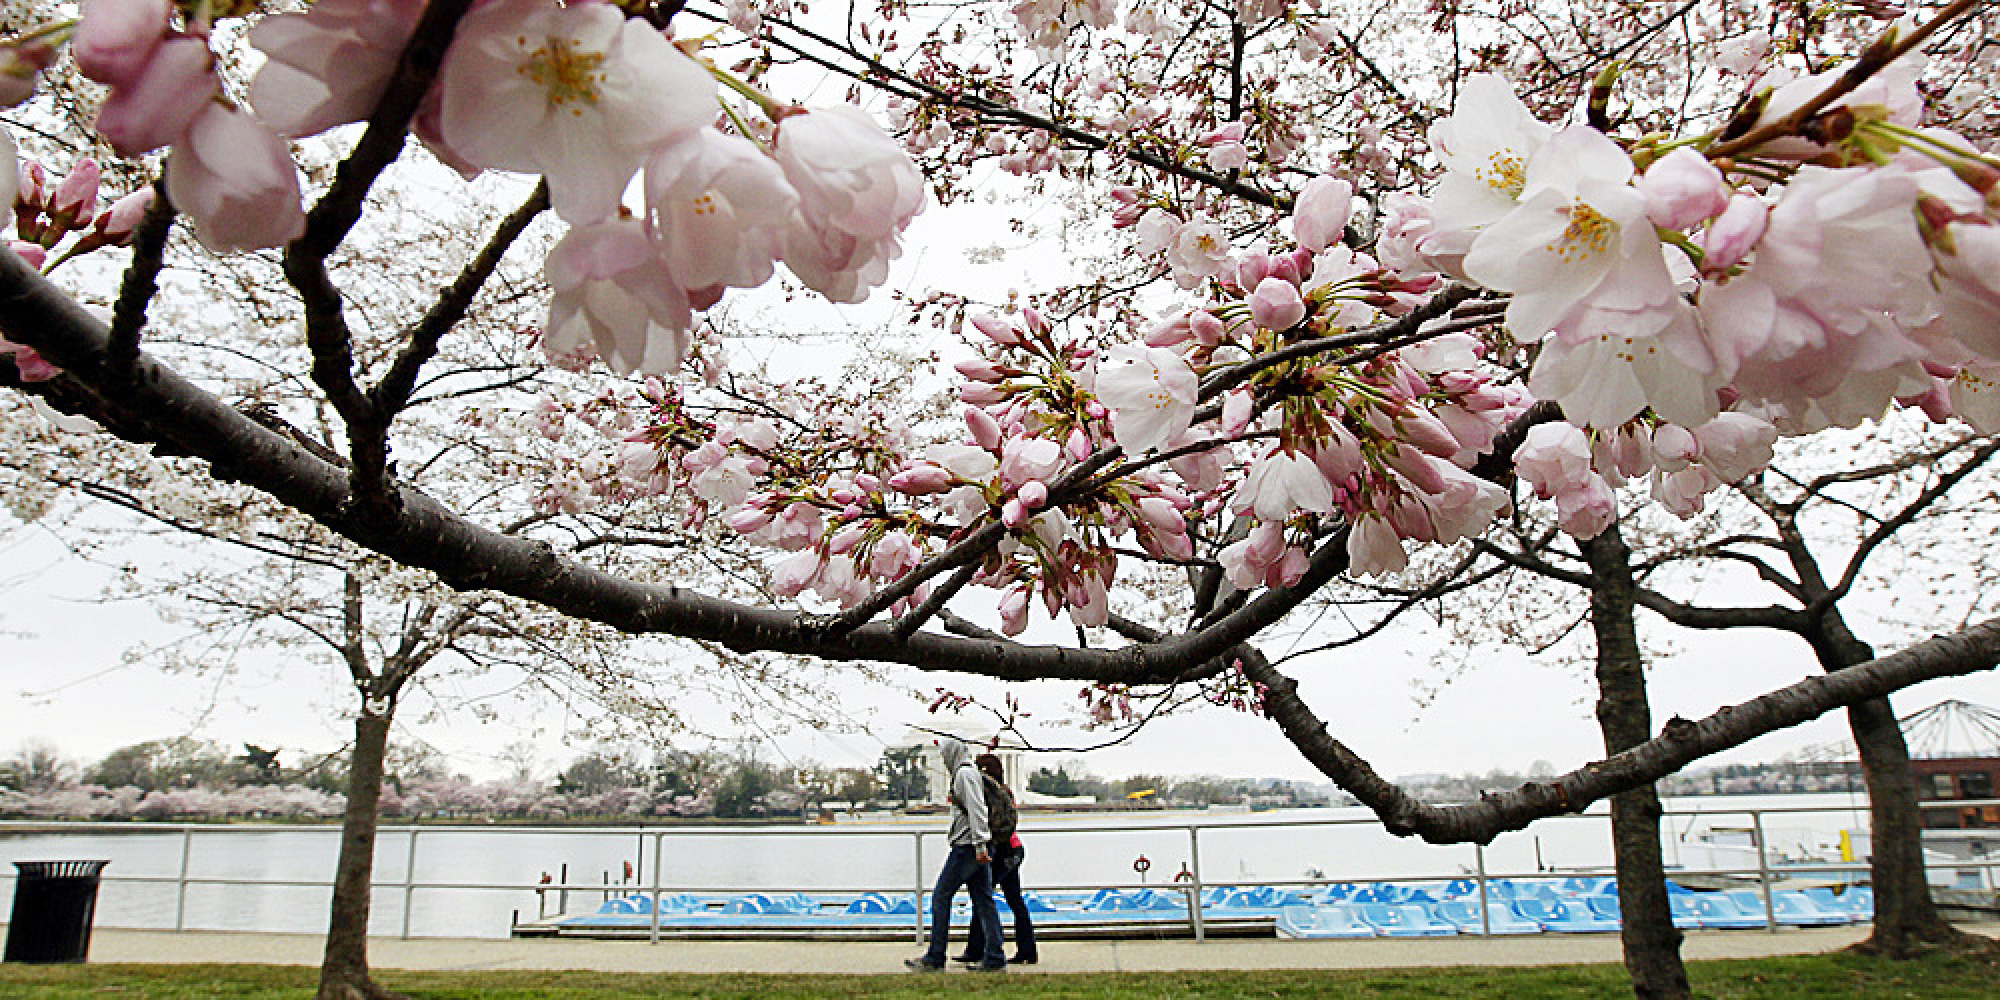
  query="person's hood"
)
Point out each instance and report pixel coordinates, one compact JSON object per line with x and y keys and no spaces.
{"x":954,"y":753}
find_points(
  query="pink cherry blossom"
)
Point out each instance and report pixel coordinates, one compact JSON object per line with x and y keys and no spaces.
{"x":236,"y":180}
{"x":328,"y":65}
{"x":577,"y":94}
{"x":1151,"y":392}
{"x":116,"y":39}
{"x":1373,"y":548}
{"x":1553,"y":458}
{"x":1281,"y":484}
{"x":857,"y":191}
{"x":717,"y":207}
{"x":1729,"y":238}
{"x":159,"y":105}
{"x":610,"y":290}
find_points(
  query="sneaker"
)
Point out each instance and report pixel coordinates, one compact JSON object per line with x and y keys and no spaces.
{"x":920,"y":965}
{"x":990,"y":968}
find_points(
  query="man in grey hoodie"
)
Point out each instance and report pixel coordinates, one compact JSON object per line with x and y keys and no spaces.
{"x":967,"y":865}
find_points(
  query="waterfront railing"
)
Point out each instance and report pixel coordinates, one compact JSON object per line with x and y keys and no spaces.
{"x":650,"y":845}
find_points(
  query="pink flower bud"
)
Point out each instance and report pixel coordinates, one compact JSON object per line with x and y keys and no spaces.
{"x":33,"y":254}
{"x":748,"y":520}
{"x":985,"y":429}
{"x":76,"y":196}
{"x":1730,"y":237}
{"x":983,"y":370}
{"x":1078,"y":445}
{"x":921,"y":479}
{"x":1014,"y":610}
{"x":1238,"y":406}
{"x":1162,"y":515}
{"x":867,"y":482}
{"x":1276,"y":304}
{"x":116,"y":224}
{"x":844,"y":540}
{"x":1013,"y":513}
{"x":1170,"y":332}
{"x":1682,"y":188}
{"x":997,"y":330}
{"x":981,"y":393}
{"x":1207,"y":327}
{"x":1033,"y":494}
{"x":1320,"y":212}
{"x":117,"y":38}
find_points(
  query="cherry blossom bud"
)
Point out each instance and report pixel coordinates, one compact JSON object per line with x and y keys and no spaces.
{"x":1207,"y":327}
{"x":1320,"y":212}
{"x":76,"y":196}
{"x":921,"y":479}
{"x":1078,"y":445}
{"x":1267,"y":543}
{"x":983,"y":370}
{"x":1168,"y":545}
{"x":33,"y":254}
{"x":981,"y":393}
{"x":1674,"y":447}
{"x":1289,"y":569}
{"x":1730,"y":237}
{"x":1037,"y":323}
{"x":1254,"y":268}
{"x":116,"y":224}
{"x":1033,"y":494}
{"x":792,"y":576}
{"x":867,"y":482}
{"x":1162,"y":515}
{"x":1014,"y":513}
{"x":1170,"y":332}
{"x":1238,"y":406}
{"x":998,"y":330}
{"x":1682,"y":188}
{"x":844,"y":540}
{"x":116,"y":39}
{"x":1014,"y":610}
{"x":748,"y":520}
{"x":1276,"y":304}
{"x":985,"y":429}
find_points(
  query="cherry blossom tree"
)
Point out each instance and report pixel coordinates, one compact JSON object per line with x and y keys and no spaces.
{"x":1349,"y":274}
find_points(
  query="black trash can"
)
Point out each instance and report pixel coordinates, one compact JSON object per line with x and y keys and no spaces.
{"x":53,"y":904}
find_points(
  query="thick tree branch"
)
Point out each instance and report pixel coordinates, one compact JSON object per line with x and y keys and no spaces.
{"x":1680,"y":743}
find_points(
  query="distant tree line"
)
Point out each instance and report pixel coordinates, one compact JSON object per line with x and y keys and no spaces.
{"x":190,"y":779}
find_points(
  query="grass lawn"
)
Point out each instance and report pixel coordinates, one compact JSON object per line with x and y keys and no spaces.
{"x":1846,"y":977}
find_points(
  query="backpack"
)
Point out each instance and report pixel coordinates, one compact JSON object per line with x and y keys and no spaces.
{"x":1001,"y":816}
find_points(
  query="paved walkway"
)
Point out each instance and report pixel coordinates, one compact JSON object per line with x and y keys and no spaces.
{"x":865,"y":957}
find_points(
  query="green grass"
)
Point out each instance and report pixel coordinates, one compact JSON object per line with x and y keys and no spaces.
{"x":1846,"y":977}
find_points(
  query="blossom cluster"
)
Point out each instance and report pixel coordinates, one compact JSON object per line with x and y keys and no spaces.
{"x":579,"y":93}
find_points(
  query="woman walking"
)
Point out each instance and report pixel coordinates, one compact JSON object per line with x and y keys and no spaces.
{"x":1007,"y":857}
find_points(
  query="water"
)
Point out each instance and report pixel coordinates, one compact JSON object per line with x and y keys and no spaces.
{"x":472,"y":880}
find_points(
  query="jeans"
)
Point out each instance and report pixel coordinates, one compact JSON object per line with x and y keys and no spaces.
{"x":1007,"y":872}
{"x":962,"y":867}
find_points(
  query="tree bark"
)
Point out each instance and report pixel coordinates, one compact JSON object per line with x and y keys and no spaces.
{"x":343,"y":972}
{"x":1652,"y":944}
{"x":1907,"y":923}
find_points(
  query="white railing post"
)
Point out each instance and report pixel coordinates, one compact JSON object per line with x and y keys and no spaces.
{"x":181,"y":897}
{"x":1485,"y":917}
{"x":409,"y":883}
{"x":659,"y":840}
{"x":1764,"y":872}
{"x":1194,"y":892}
{"x":917,"y":840}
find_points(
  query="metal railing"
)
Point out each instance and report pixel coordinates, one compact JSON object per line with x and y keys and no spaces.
{"x":651,"y":843}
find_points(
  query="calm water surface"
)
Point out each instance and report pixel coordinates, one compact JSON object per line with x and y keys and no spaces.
{"x":472,"y":880}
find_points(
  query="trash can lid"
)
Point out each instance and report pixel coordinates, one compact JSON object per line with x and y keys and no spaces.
{"x":59,"y":869}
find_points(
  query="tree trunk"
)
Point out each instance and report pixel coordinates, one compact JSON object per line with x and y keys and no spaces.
{"x":343,"y":972}
{"x":1652,"y":943}
{"x":1907,"y":923}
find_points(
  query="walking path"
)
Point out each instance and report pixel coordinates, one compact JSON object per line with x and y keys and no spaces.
{"x":872,"y":956}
